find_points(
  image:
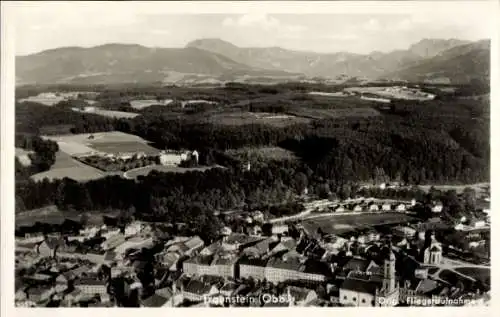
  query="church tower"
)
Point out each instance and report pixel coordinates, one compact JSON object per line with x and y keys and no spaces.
{"x":389,"y":282}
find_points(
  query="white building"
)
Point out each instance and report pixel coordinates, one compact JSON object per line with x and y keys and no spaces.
{"x":434,"y":253}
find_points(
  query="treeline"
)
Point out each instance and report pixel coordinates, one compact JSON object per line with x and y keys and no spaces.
{"x":32,"y":117}
{"x":42,"y":158}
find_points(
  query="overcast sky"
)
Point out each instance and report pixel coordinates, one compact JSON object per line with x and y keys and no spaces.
{"x":327,"y":28}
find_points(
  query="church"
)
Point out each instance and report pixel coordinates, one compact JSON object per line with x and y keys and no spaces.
{"x":433,"y":254}
{"x":368,"y":289}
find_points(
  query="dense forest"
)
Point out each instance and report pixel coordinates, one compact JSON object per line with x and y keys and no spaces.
{"x":440,"y":141}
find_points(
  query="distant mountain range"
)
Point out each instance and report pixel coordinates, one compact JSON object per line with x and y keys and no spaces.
{"x":214,"y":60}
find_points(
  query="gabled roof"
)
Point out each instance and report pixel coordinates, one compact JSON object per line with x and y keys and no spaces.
{"x":426,"y":286}
{"x":90,"y":281}
{"x":357,"y":264}
{"x":197,"y":287}
{"x":361,"y":286}
{"x":298,"y":293}
{"x":154,"y":301}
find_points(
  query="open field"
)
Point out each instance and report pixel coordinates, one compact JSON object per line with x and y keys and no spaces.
{"x":110,"y":142}
{"x":110,"y":113}
{"x":124,"y":147}
{"x":66,"y":166}
{"x":144,"y":103}
{"x":334,"y":113}
{"x":328,"y":94}
{"x":47,"y":101}
{"x":243,"y":118}
{"x":99,"y":137}
{"x":478,"y":187}
{"x":337,"y":224}
{"x":393,"y":92}
{"x":143,"y":171}
{"x":262,"y":153}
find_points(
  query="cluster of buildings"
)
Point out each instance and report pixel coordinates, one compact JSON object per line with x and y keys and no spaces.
{"x":391,"y":265}
{"x":360,"y":204}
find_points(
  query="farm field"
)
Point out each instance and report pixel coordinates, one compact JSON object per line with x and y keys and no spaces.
{"x":478,"y":187}
{"x":344,"y":223}
{"x":124,"y":147}
{"x":47,"y":101}
{"x":144,"y":103}
{"x":244,"y":118}
{"x":111,"y":113}
{"x":143,"y":171}
{"x":66,"y":166}
{"x":312,"y":113}
{"x":110,"y":142}
{"x":262,"y":153}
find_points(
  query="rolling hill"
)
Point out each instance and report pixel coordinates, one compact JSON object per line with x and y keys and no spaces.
{"x":215,"y":60}
{"x":115,"y":63}
{"x":461,"y":64}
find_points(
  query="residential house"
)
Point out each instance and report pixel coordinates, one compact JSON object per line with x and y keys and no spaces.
{"x":39,"y":294}
{"x":196,"y":290}
{"x":340,"y":209}
{"x":300,"y":296}
{"x":49,"y":247}
{"x":279,"y":228}
{"x":437,"y":208}
{"x":373,"y":207}
{"x":91,"y":286}
{"x":357,"y":208}
{"x":386,"y":207}
{"x":113,"y":241}
{"x":401,"y":207}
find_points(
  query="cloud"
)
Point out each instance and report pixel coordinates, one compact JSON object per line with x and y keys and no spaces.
{"x":342,"y":37}
{"x":160,"y":32}
{"x":373,"y":25}
{"x":265,"y":22}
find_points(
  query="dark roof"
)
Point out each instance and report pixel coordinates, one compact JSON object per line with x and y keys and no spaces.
{"x":361,"y":286}
{"x":317,"y":267}
{"x":197,"y":287}
{"x":110,"y":256}
{"x":253,"y":261}
{"x":357,"y":264}
{"x":298,"y":293}
{"x":89,"y":281}
{"x":201,"y":259}
{"x":154,"y":301}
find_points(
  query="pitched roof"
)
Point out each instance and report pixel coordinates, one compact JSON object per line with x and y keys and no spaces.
{"x":253,"y":261}
{"x":89,"y":281}
{"x":197,"y":287}
{"x":154,"y":301}
{"x":298,"y":293}
{"x":357,"y":264}
{"x":194,"y":242}
{"x":361,"y":286}
{"x":426,"y":286}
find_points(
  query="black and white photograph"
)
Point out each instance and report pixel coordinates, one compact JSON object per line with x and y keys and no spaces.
{"x":286,"y":154}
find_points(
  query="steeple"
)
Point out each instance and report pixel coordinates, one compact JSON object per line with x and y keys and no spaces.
{"x":389,"y":282}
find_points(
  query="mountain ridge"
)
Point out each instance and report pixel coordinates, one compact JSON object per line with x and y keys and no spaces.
{"x":219,"y":60}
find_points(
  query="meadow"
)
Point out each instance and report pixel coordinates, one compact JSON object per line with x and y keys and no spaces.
{"x":337,"y":224}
